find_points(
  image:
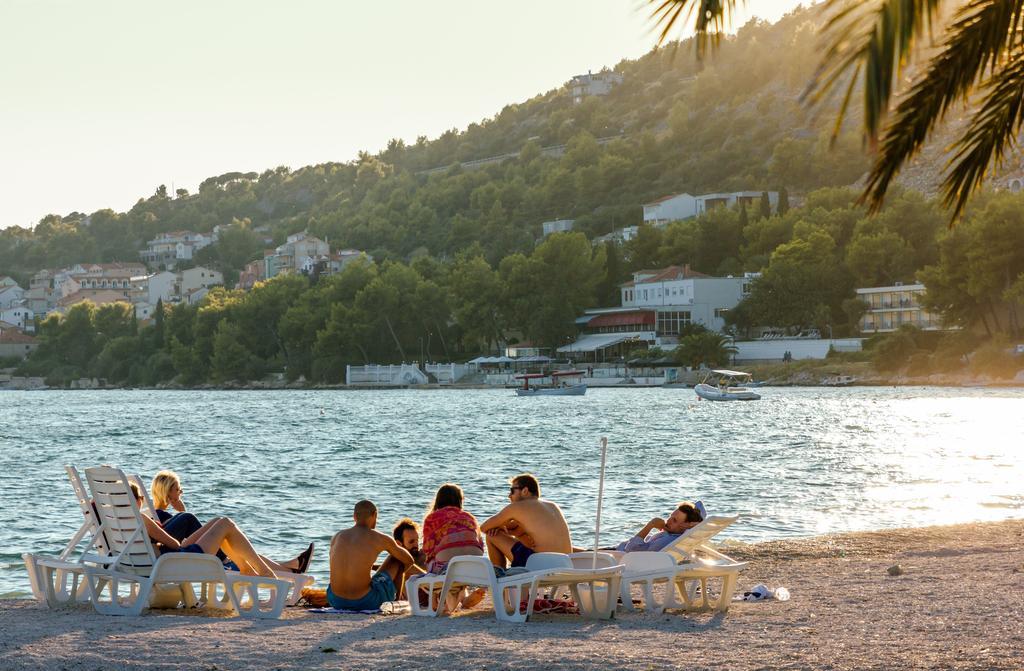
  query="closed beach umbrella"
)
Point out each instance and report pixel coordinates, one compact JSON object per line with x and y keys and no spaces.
{"x":600,"y":499}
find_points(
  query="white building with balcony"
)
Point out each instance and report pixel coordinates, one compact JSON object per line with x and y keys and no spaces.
{"x":169,"y":248}
{"x":893,"y":306}
{"x":601,"y":84}
{"x":656,"y":307}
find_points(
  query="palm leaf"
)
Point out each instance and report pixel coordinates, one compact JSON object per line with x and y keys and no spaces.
{"x":978,"y":41}
{"x":711,"y":19}
{"x":872,"y":40}
{"x":992,"y":131}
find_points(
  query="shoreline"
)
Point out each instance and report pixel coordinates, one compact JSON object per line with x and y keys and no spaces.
{"x":955,"y":605}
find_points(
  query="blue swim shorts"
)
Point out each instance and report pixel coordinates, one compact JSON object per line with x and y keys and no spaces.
{"x":382,"y":588}
{"x":520,"y":553}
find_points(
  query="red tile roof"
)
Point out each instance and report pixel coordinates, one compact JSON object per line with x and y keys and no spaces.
{"x":14,"y":337}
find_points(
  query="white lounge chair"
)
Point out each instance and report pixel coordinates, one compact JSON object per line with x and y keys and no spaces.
{"x":298,"y":580}
{"x":60,"y":581}
{"x":595,"y":591}
{"x":130,"y":562}
{"x":684,"y":567}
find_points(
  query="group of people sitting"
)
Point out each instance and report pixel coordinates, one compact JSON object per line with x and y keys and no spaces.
{"x":528,"y":524}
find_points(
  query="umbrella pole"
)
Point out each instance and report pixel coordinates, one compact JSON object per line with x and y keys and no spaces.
{"x":600,"y":500}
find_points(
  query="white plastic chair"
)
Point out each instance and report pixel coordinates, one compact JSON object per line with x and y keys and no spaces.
{"x":594,"y":591}
{"x":131,"y":562}
{"x":685,"y":566}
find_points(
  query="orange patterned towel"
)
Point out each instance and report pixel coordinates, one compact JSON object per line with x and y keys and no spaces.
{"x":317,"y":598}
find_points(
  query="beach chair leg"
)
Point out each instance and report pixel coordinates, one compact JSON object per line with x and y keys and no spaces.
{"x":728,"y":587}
{"x":507,"y":606}
{"x":33,"y":577}
{"x":62,"y":587}
{"x":245,"y":597}
{"x":104,"y":591}
{"x":601,"y":598}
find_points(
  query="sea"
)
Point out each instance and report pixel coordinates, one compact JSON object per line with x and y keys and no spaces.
{"x":288,"y":466}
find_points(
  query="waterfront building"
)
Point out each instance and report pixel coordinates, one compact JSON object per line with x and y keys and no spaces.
{"x":656,"y":306}
{"x":893,"y":306}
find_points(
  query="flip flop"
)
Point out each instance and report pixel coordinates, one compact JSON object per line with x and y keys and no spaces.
{"x":304,"y":559}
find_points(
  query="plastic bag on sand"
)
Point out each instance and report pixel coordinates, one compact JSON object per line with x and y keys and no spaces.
{"x":761,"y":592}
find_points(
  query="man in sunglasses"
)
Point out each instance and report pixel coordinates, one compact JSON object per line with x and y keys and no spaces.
{"x":526,"y":525}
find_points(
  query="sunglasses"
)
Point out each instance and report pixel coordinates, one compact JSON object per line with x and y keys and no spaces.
{"x":513,"y":489}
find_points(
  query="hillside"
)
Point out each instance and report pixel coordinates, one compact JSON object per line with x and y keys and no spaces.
{"x":734,"y":124}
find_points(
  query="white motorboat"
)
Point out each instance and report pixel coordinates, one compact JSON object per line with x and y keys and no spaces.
{"x":838,"y":381}
{"x":725,"y":385}
{"x":560,"y":384}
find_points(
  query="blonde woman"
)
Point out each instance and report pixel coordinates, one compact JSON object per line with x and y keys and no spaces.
{"x":167,"y":492}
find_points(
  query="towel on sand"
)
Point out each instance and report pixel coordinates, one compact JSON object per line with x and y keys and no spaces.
{"x":386,"y":608}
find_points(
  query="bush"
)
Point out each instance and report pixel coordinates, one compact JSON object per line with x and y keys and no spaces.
{"x":996,"y":359}
{"x":894,"y":350}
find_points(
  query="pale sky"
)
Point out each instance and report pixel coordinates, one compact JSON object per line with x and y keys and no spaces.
{"x":104,"y":100}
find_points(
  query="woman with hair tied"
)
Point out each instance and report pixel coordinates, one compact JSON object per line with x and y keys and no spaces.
{"x":166,"y":492}
{"x":449,"y":531}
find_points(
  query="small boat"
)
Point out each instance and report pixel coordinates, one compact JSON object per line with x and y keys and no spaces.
{"x":838,"y":381}
{"x":560,"y":384}
{"x":726,"y":386}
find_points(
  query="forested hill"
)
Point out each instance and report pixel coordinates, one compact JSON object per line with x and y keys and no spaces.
{"x":735,"y":123}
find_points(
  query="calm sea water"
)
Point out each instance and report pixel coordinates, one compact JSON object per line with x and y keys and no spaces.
{"x":799,"y":462}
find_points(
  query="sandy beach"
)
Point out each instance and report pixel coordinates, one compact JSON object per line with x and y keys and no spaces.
{"x":958,"y":604}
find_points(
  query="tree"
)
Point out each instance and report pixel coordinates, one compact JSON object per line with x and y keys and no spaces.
{"x":783,"y":206}
{"x":707,"y":348}
{"x":873,"y":45}
{"x":230,"y":360}
{"x":765,"y":208}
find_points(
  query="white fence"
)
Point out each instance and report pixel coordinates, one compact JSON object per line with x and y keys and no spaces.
{"x":404,"y":374}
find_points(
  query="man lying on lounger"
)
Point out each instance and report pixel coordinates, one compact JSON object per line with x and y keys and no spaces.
{"x":686,"y":516}
{"x":353,"y":552}
{"x":526,"y":525}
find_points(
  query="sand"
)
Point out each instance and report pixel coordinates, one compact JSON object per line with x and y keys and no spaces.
{"x":958,"y":604}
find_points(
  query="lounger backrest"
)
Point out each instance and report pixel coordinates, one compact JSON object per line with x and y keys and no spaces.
{"x":91,"y":525}
{"x":147,"y":502}
{"x":544,"y":561}
{"x":687,"y":547}
{"x":120,"y":521}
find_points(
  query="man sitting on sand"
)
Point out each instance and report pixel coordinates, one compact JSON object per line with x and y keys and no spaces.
{"x":353,"y":552}
{"x":527,"y":525}
{"x":685,"y":516}
{"x":407,"y":534}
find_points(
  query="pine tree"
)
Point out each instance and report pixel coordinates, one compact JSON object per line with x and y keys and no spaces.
{"x":766,"y":206}
{"x":158,"y":323}
{"x":744,"y":219}
{"x":783,"y":206}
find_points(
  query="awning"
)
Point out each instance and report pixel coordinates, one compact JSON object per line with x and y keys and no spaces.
{"x":622,"y":319}
{"x":597,"y":341}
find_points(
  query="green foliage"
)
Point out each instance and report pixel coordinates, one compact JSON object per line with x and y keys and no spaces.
{"x":894,"y":350}
{"x":706,"y":348}
{"x":996,"y":359}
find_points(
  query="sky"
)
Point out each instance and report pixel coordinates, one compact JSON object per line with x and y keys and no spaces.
{"x":101,"y":101}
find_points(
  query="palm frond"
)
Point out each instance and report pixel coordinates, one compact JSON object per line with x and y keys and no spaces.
{"x":711,"y":18}
{"x":978,"y":40}
{"x":875,"y":40}
{"x":992,"y":132}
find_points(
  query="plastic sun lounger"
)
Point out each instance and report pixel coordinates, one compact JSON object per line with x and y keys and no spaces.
{"x":60,"y":581}
{"x":298,"y":580}
{"x":130,"y":562}
{"x":687,"y":563}
{"x":594,"y":591}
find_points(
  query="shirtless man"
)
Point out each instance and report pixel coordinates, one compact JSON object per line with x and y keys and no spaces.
{"x":353,"y":552}
{"x":526,"y":525}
